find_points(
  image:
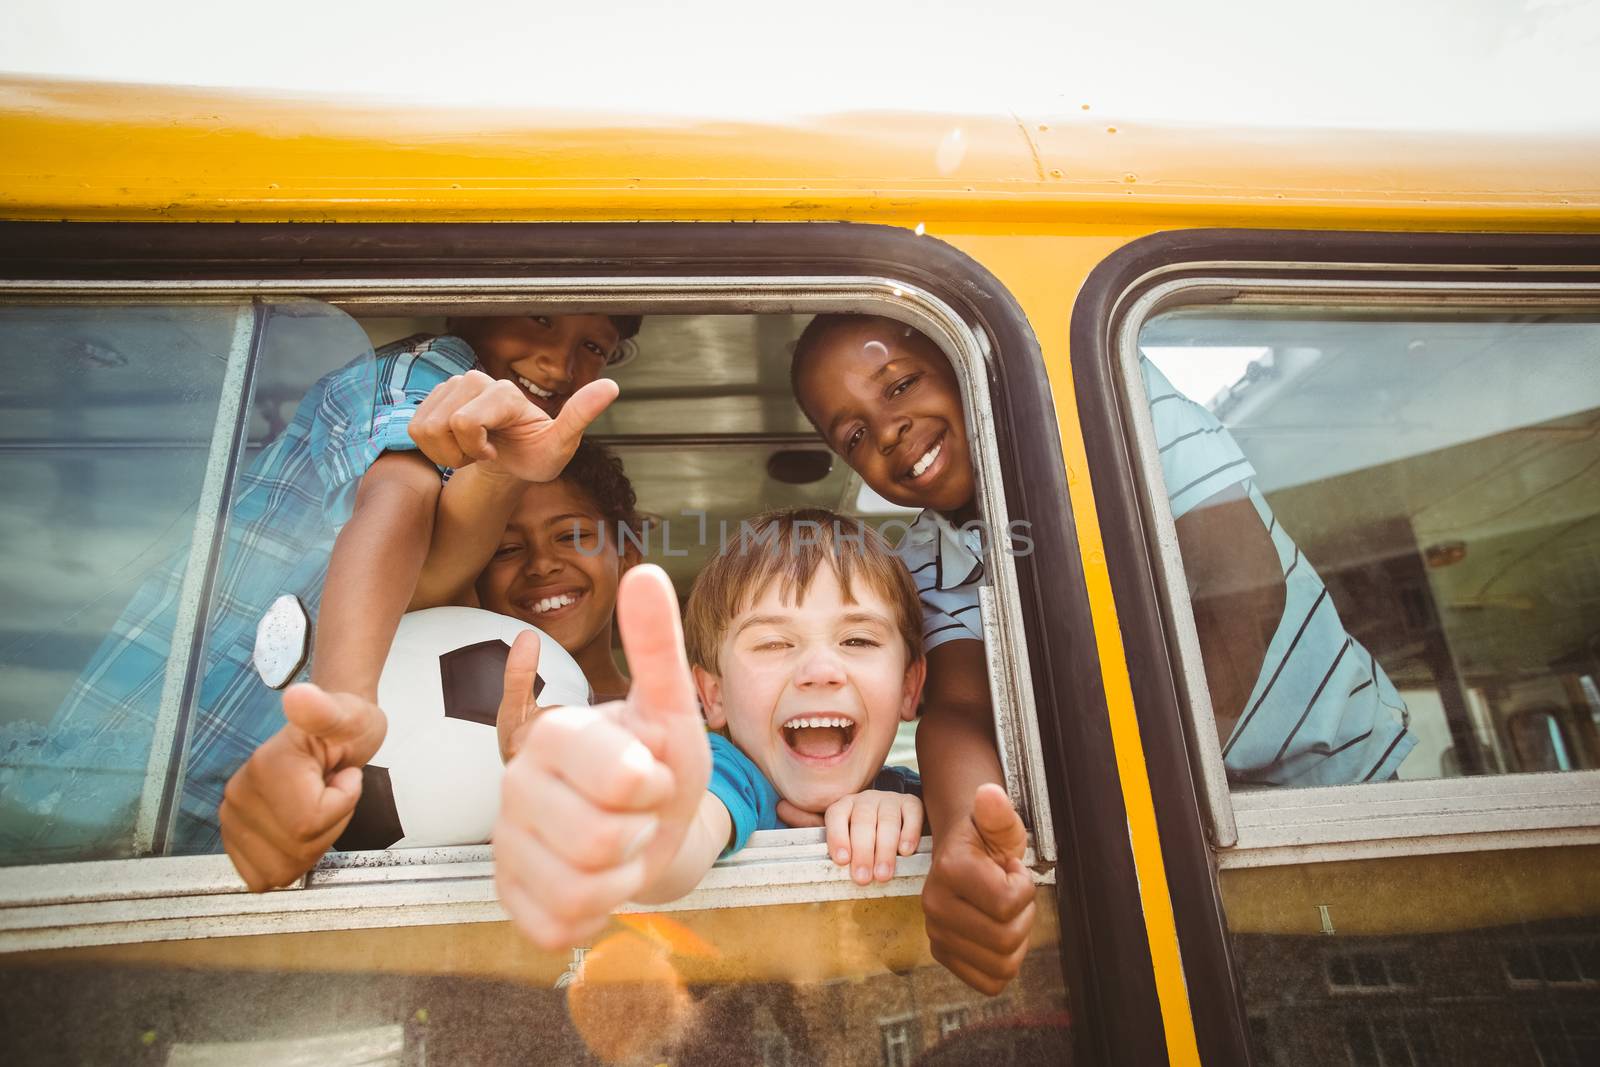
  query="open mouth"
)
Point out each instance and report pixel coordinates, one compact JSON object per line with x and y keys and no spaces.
{"x":819,"y":737}
{"x":533,"y":387}
{"x":927,"y":463}
{"x":553,"y":606}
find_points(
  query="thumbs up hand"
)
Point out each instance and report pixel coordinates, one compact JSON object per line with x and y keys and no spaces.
{"x":977,"y":901}
{"x":291,"y":800}
{"x":597,"y":801}
{"x":517,"y":707}
{"x":473,"y":418}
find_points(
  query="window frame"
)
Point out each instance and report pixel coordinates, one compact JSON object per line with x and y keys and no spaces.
{"x":58,"y":905}
{"x":1284,"y":826}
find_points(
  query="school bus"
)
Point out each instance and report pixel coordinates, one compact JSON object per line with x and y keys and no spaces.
{"x":1401,"y":333}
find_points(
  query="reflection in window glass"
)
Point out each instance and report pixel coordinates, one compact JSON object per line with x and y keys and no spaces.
{"x":1575,"y":963}
{"x":898,"y":1046}
{"x":951,"y":1021}
{"x":1363,"y":1049}
{"x":1261,"y":1041}
{"x":1465,"y":946}
{"x":112,"y":438}
{"x":109,"y":415}
{"x":798,"y":986}
{"x":1390,"y":527}
{"x":1369,"y":971}
{"x":1539,"y":740}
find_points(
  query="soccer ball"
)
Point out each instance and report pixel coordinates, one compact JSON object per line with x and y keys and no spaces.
{"x":436,"y":778}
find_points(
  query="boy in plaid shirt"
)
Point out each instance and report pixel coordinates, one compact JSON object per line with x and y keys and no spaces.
{"x":338,"y":510}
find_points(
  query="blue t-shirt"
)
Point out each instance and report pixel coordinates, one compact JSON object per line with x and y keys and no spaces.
{"x":751,"y":801}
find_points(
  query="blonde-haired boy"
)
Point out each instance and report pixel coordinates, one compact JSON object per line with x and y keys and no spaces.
{"x":804,"y":637}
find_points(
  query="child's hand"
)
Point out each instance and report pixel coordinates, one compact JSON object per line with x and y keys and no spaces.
{"x":977,"y":902}
{"x":293,"y":797}
{"x":597,"y":801}
{"x":866,"y":830}
{"x":517,"y":708}
{"x":472,"y":418}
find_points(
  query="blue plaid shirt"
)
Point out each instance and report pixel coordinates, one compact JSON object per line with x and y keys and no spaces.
{"x":84,"y":776}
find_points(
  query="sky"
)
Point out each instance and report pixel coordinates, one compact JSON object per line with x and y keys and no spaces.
{"x":1423,"y":64}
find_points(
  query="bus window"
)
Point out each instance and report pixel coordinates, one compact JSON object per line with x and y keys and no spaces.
{"x":707,"y":430}
{"x":777,"y":958}
{"x":1373,"y":506}
{"x":706,"y":436}
{"x":118,"y":448}
{"x":1388,"y":523}
{"x":110,"y":412}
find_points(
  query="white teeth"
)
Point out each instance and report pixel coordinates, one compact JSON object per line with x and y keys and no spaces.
{"x":817,"y":721}
{"x":542,"y":394}
{"x":551,"y":603}
{"x":926,"y":461}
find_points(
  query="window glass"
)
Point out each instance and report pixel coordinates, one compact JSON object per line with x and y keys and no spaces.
{"x":1471,"y":958}
{"x":113,"y":440}
{"x":1390,"y":525}
{"x":103,"y":450}
{"x":899,"y":1045}
{"x":707,"y":433}
{"x":121,"y":478}
{"x":844,"y":982}
{"x":307,"y":397}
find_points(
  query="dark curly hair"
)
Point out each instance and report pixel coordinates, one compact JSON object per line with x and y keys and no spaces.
{"x":627,"y":325}
{"x":598,"y":472}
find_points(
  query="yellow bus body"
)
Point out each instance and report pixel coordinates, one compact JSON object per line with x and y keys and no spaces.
{"x":1039,"y":200}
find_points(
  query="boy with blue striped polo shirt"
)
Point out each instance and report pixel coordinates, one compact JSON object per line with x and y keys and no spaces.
{"x":1309,"y":705}
{"x":884,"y":397}
{"x":1298,"y":700}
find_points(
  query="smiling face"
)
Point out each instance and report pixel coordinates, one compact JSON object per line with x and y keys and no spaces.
{"x":886,"y":399}
{"x":813,"y":691}
{"x":549,"y":356}
{"x":554,"y":569}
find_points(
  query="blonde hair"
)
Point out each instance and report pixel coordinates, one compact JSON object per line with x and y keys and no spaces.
{"x":791,"y":546}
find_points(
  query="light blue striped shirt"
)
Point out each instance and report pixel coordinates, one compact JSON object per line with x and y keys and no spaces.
{"x":1322,"y":711}
{"x":947,"y":565}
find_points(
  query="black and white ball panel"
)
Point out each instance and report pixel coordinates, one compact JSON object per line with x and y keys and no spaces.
{"x":376,"y":823}
{"x":473,"y":680}
{"x":436,"y":778}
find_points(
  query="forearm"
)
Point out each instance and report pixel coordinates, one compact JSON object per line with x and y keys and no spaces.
{"x":1237,"y":591}
{"x":474,"y":508}
{"x":955,"y":741}
{"x":373,"y":571}
{"x":707,"y":836}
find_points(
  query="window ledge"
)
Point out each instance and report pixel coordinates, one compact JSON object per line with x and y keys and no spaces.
{"x":1282,"y":826}
{"x":175,"y":898}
